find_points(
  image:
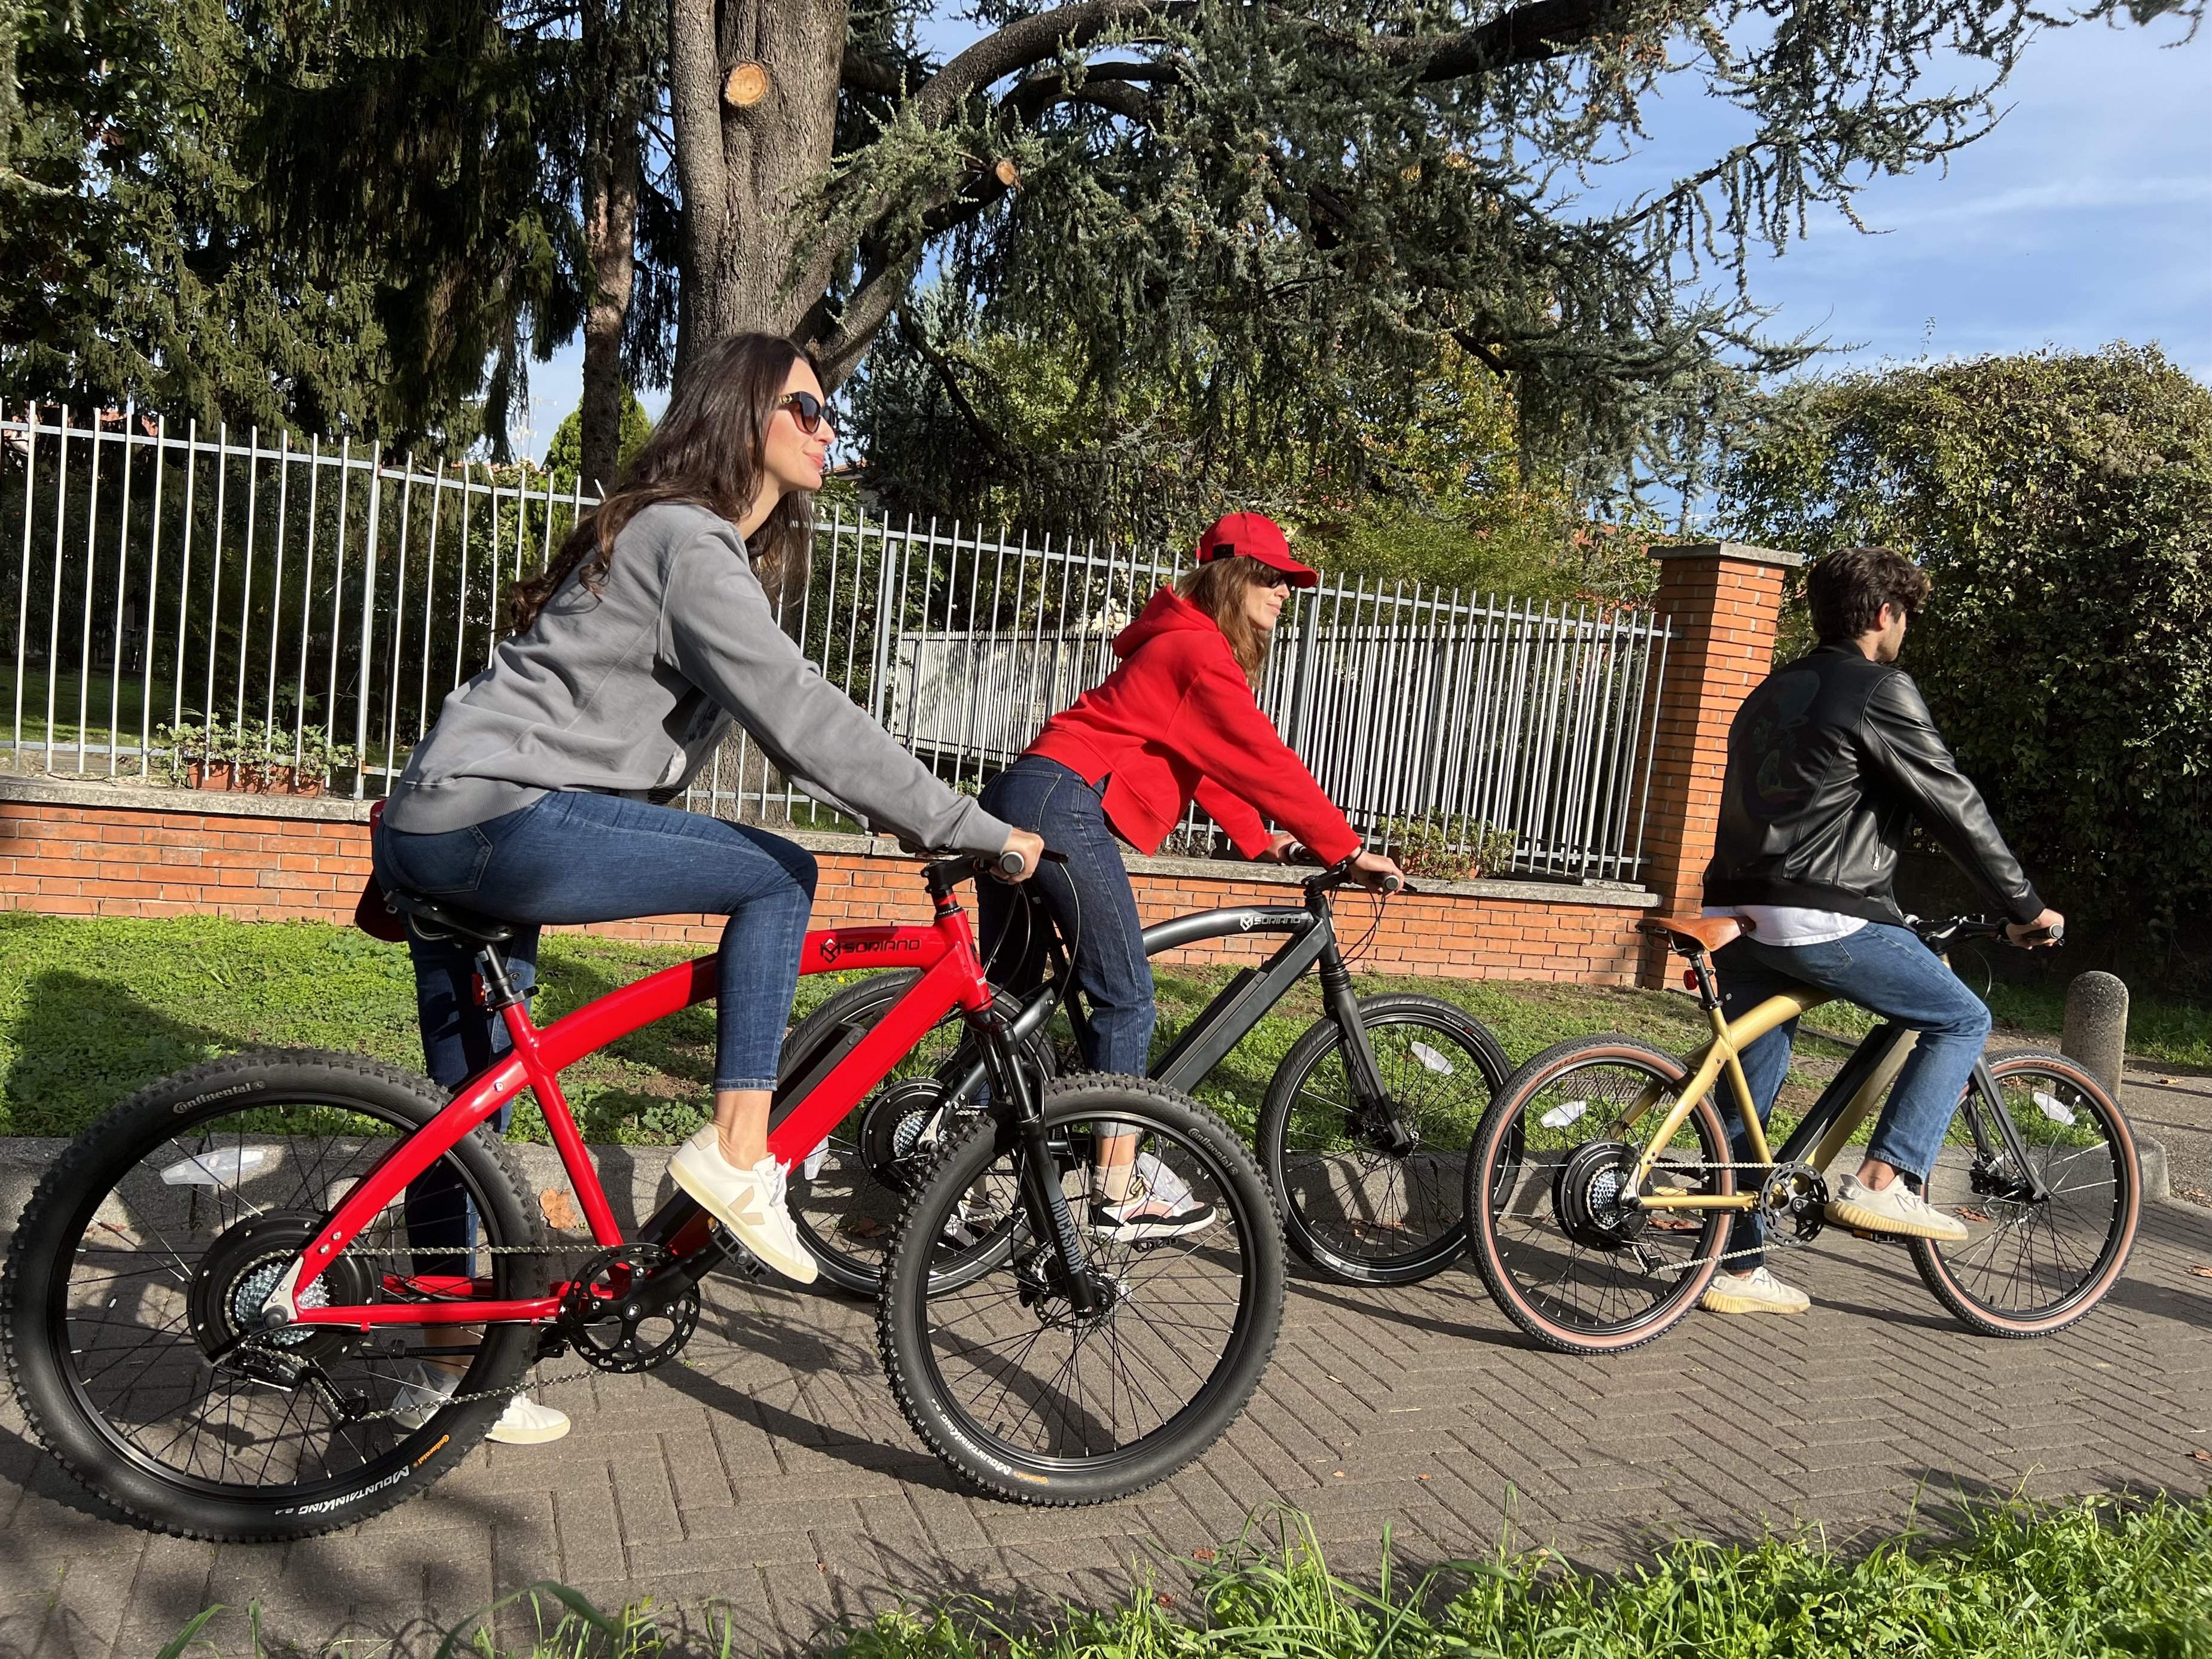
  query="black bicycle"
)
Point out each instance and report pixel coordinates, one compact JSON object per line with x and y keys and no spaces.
{"x":1362,"y":1133}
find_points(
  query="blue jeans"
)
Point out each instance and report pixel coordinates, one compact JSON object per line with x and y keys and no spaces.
{"x":1887,"y":971}
{"x":574,"y":857}
{"x":1087,"y":899}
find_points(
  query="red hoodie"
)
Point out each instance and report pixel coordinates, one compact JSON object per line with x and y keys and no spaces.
{"x":1177,"y":720}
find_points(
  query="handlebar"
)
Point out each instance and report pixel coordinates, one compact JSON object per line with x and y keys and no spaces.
{"x":1345,"y":873}
{"x":947,"y":873}
{"x":1940,"y":933}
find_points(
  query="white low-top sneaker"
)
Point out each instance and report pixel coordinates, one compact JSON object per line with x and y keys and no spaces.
{"x":527,"y":1423}
{"x":750,"y":1203}
{"x":1896,"y":1209}
{"x":1755,"y":1292}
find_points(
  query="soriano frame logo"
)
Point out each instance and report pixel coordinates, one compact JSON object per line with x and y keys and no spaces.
{"x":831,"y":947}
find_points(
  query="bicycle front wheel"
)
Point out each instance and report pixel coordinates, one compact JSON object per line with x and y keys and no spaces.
{"x":1372,"y":1191}
{"x":1026,"y":1396}
{"x":1567,"y":1255}
{"x":2032,"y":1265}
{"x":133,"y":1293}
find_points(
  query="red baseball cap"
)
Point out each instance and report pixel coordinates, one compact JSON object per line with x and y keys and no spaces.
{"x":1254,"y":536}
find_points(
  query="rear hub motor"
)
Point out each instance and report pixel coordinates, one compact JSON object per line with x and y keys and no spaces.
{"x":243,"y":1266}
{"x":1590,"y":1195}
{"x":892,"y":1129}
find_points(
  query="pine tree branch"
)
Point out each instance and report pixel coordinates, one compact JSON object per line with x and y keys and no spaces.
{"x":862,"y":73}
{"x":915,"y":336}
{"x":1026,"y":42}
{"x":1532,"y":34}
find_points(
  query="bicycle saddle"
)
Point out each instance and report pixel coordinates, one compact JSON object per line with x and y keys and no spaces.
{"x":433,"y":919}
{"x":1691,"y":934}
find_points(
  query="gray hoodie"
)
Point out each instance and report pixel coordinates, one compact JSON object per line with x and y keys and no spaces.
{"x":629,"y":691}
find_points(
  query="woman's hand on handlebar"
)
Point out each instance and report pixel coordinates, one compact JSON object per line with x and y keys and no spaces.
{"x":1376,"y":874}
{"x":1031,"y":847}
{"x":2045,"y":929}
{"x":1280,"y":847}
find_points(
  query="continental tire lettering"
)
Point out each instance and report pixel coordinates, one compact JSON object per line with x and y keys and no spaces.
{"x":219,"y":1094}
{"x":329,"y":1503}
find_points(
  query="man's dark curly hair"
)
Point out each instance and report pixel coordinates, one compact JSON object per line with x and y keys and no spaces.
{"x":1848,"y":589}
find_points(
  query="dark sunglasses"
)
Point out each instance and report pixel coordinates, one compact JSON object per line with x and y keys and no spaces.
{"x":812,"y":413}
{"x":1268,"y":576}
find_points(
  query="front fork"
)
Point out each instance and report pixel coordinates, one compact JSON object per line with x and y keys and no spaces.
{"x":1050,"y":1219}
{"x":1378,"y":1112}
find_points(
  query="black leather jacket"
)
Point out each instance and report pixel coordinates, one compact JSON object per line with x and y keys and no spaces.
{"x":1828,"y":761}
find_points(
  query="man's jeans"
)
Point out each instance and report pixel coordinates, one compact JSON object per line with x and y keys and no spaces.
{"x":1889,"y":972}
{"x":1089,"y":899}
{"x":576,"y":856}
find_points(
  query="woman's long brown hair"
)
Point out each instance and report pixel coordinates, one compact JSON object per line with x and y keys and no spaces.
{"x":706,"y":449}
{"x":1219,"y":588}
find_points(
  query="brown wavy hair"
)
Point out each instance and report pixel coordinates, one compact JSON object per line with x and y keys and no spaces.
{"x":1219,"y":588}
{"x":706,"y":449}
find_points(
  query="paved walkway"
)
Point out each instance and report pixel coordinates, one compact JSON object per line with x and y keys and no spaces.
{"x":772,"y":1476}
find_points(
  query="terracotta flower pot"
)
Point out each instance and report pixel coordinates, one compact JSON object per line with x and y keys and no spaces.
{"x":210,"y":775}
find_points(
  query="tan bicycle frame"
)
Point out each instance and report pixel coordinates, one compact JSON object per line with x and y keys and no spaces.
{"x":1725,"y":1054}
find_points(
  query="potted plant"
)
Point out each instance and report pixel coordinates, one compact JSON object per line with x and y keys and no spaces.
{"x":199,"y":756}
{"x":252,"y":758}
{"x":1456,"y":848}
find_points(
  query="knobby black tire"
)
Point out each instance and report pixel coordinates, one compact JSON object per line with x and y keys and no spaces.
{"x":902,"y":1328}
{"x":859,"y":1007}
{"x":2126,"y":1211}
{"x":1322,"y":1039}
{"x":36,"y":1280}
{"x":1481,"y":1169}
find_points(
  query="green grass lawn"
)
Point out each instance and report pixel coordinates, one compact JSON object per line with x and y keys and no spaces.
{"x":2080,"y":1581}
{"x":67,"y":687}
{"x":91,"y":1010}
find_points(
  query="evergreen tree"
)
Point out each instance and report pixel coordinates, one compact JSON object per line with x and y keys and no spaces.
{"x":1284,"y":209}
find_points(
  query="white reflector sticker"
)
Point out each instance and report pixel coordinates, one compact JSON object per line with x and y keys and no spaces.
{"x":224,"y":1167}
{"x":2054,"y":1109}
{"x":1430,"y":1058}
{"x":1559,"y":1116}
{"x":810,"y":1166}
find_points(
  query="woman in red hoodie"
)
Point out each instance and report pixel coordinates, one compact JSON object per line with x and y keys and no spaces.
{"x":1178,"y":720}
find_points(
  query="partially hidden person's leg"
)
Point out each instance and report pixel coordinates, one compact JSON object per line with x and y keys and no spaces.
{"x":460,"y":1038}
{"x":577,"y":857}
{"x":1748,"y":976}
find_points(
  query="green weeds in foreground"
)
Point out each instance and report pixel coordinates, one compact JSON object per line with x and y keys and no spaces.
{"x":2089,"y":1578}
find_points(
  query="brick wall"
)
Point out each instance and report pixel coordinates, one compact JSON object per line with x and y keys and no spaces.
{"x":93,"y":849}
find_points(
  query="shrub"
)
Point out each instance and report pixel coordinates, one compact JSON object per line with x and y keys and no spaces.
{"x":2062,"y":503}
{"x":1454,"y":849}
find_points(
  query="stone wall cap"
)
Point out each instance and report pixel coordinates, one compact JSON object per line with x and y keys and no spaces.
{"x":136,"y":797}
{"x":1737,"y":552}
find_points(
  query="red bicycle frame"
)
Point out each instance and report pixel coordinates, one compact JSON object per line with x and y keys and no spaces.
{"x":951,"y":977}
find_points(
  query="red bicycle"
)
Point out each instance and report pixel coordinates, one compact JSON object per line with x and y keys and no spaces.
{"x":218,"y":1298}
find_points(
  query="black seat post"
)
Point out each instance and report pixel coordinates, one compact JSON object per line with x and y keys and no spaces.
{"x":491,"y":968}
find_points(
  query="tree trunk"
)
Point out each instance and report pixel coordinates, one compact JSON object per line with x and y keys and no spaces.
{"x":744,"y":167}
{"x":611,"y":181}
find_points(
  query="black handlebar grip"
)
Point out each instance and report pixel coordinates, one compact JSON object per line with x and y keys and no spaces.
{"x":1390,"y":884}
{"x":1010,"y":862}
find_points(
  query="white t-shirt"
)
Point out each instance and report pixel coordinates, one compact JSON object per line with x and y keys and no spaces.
{"x":1786,"y":925}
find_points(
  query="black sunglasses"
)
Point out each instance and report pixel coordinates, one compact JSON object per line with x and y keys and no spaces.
{"x":812,"y":413}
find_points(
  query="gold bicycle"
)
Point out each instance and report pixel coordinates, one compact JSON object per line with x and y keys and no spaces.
{"x":1601,"y":1184}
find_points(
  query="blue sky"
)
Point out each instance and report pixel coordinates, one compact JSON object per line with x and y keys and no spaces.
{"x":2085,"y":217}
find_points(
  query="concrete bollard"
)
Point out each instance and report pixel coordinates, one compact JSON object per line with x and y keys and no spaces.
{"x":2097,"y":1027}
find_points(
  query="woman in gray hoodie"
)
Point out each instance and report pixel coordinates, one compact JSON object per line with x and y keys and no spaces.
{"x":537,"y":797}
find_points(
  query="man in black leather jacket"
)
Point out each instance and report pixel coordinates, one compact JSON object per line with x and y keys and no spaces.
{"x":1830,"y":761}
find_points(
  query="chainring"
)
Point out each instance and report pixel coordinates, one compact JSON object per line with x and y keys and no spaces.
{"x":610,"y":1328}
{"x":1795,"y":1194}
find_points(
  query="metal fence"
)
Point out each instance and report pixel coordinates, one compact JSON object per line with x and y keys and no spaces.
{"x":325,"y":600}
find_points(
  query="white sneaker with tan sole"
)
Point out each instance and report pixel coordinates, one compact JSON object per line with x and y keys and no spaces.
{"x":1758,"y":1291}
{"x":1896,"y":1210}
{"x":749,"y":1202}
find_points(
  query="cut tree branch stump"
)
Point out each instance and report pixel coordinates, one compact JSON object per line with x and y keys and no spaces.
{"x":747,"y":84}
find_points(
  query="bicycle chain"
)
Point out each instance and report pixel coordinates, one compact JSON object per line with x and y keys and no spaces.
{"x":1775,"y":1238}
{"x":512,"y":1389}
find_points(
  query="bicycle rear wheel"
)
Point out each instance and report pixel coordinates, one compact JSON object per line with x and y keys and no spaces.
{"x":846,"y":1194}
{"x":2033,"y":1266}
{"x":1564,"y":1257}
{"x":1028,"y":1398}
{"x":154,"y":1240}
{"x":1375,"y":1194}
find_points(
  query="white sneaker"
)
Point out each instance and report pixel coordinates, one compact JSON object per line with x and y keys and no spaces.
{"x":1896,"y":1210}
{"x":749,"y":1202}
{"x":527,"y":1423}
{"x":1756,"y":1291}
{"x":422,"y":1396}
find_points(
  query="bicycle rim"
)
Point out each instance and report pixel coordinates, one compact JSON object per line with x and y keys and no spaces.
{"x":2032,"y":1265}
{"x":1025,"y":1395}
{"x":1562,"y":1258}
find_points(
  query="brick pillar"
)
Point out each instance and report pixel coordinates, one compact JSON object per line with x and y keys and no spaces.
{"x":1723,"y":602}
